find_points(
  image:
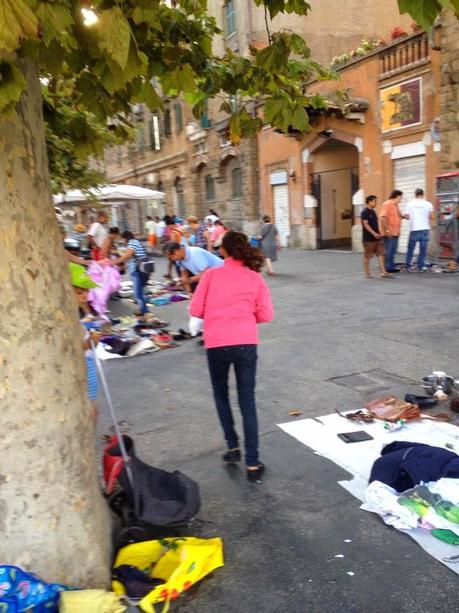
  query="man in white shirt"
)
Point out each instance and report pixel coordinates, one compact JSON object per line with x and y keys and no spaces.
{"x":160,"y":228}
{"x":420,"y":212}
{"x":150,"y":227}
{"x":97,"y":234}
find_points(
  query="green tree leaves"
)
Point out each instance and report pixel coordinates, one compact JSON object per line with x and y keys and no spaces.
{"x":17,"y":21}
{"x":114,"y":33}
{"x":55,"y":21}
{"x":424,"y":12}
{"x":300,"y":7}
{"x":180,"y":79}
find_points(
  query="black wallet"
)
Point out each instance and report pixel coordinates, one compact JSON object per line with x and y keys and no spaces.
{"x":355,"y":437}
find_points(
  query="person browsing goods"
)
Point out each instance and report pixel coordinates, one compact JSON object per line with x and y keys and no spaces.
{"x":193,"y":262}
{"x":97,"y":234}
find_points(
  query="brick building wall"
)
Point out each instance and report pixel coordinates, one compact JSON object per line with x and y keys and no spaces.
{"x":376,"y":156}
{"x":449,"y":93}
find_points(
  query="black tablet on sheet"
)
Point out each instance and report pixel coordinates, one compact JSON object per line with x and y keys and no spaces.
{"x":355,"y":437}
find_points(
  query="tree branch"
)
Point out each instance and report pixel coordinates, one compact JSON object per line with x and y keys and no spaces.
{"x":267,"y":24}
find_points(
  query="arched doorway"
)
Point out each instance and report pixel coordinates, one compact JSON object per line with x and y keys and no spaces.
{"x":335,"y":180}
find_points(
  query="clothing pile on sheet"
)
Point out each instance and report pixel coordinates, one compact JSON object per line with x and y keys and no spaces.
{"x":130,"y":336}
{"x":416,"y":485}
{"x":157,"y":293}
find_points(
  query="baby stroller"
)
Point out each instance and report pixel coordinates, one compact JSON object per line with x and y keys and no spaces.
{"x":152,"y":503}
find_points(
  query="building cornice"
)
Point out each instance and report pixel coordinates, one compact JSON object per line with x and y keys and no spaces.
{"x":150,"y":166}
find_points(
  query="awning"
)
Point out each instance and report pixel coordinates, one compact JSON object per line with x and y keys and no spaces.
{"x":108,"y":193}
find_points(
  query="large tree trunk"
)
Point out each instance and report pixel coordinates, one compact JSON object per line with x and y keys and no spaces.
{"x":53,"y":519}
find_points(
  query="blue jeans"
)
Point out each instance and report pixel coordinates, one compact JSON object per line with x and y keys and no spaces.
{"x":244,"y":359}
{"x":139,"y":280}
{"x":421,"y":237}
{"x":390,"y":247}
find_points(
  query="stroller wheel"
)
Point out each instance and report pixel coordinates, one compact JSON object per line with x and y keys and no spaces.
{"x":133,"y":534}
{"x":119,"y":503}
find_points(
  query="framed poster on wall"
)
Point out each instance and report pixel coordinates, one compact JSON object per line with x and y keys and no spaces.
{"x":401,"y":105}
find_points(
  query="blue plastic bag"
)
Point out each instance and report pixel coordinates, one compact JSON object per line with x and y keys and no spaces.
{"x":254,"y":241}
{"x":22,"y":591}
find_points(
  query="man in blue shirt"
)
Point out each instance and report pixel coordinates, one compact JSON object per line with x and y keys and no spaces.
{"x":193,"y":262}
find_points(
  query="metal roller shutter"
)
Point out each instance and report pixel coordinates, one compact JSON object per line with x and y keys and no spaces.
{"x":282,"y":212}
{"x":409,"y":174}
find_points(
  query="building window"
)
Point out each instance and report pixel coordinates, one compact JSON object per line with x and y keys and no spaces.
{"x":230,"y":17}
{"x":210,"y":188}
{"x":155,"y":141}
{"x":167,"y":123}
{"x":178,"y":117}
{"x":140,"y":140}
{"x":205,"y":121}
{"x":236,"y":182}
{"x":179,"y":198}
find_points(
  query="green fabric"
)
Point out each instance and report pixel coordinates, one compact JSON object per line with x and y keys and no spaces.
{"x":447,"y":536}
{"x":80,"y":277}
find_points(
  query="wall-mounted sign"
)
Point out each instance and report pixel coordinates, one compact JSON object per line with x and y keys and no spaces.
{"x":401,"y":105}
{"x":278,"y":177}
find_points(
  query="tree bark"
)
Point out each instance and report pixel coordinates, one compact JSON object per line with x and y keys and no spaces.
{"x":53,"y":519}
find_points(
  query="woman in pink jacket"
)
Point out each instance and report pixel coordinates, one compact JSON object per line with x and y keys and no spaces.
{"x":232,"y":300}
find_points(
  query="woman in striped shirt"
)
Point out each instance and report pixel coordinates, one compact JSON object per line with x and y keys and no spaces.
{"x":134,"y":252}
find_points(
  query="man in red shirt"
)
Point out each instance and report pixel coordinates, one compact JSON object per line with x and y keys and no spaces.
{"x":391,"y":221}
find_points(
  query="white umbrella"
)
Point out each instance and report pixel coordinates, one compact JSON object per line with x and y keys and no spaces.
{"x":108,"y":193}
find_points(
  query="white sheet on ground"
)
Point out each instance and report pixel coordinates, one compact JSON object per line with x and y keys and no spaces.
{"x":358,"y":458}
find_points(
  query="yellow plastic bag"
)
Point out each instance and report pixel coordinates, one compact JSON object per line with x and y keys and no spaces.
{"x":181,"y":562}
{"x":90,"y":601}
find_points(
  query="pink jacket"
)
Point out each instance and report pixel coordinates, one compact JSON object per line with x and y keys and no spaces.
{"x":231,"y":299}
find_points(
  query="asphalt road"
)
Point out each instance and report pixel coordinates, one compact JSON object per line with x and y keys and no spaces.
{"x":281,"y":537}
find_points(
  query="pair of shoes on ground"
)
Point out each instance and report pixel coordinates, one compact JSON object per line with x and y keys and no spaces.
{"x":253,"y":475}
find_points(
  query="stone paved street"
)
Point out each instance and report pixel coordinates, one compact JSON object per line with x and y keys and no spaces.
{"x":281,"y":537}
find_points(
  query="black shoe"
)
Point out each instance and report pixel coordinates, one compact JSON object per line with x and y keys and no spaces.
{"x":423,"y":402}
{"x":254,"y":476}
{"x":232,"y":456}
{"x":201,"y":343}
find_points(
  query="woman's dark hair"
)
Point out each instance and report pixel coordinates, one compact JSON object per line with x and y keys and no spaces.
{"x":214,"y":212}
{"x":114,"y":230}
{"x":395,"y":194}
{"x":266,"y":218}
{"x":238,"y":247}
{"x":128,"y":236}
